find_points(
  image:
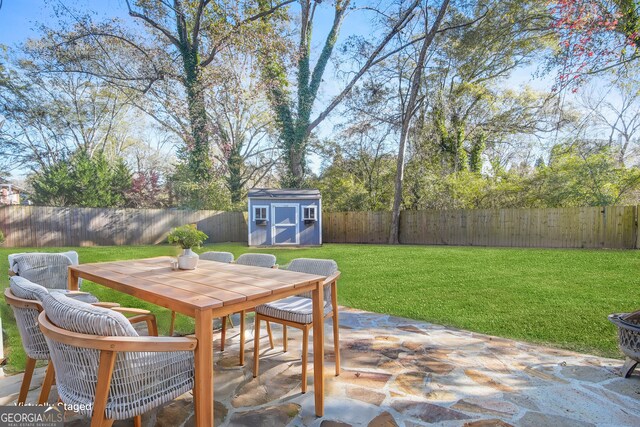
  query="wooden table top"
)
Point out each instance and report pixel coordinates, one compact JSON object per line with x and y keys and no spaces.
{"x":211,"y":285}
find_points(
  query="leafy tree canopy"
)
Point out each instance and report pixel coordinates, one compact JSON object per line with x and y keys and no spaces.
{"x":84,"y":181}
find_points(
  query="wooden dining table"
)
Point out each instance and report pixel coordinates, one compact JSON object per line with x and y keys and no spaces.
{"x":212,"y":290}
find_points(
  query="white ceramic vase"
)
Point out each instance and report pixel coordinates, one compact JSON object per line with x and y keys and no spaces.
{"x":188,"y":260}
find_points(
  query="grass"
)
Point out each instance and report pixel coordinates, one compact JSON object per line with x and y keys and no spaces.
{"x":549,"y":296}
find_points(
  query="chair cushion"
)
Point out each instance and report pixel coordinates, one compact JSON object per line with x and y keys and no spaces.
{"x":33,"y":340}
{"x":25,"y":289}
{"x":77,"y":316}
{"x":84,"y":297}
{"x":217,"y":256}
{"x":293,"y":309}
{"x":257,"y":260}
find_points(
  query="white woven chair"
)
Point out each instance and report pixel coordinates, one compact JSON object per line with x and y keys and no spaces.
{"x":48,"y":270}
{"x":226,"y":257}
{"x":257,"y":260}
{"x":25,"y":298}
{"x":103,"y":366}
{"x":297,"y":311}
{"x":72,"y":255}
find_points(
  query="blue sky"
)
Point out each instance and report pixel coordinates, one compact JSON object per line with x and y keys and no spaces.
{"x":19,"y":18}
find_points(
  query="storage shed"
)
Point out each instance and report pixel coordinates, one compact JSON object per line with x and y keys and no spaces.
{"x":281,"y":217}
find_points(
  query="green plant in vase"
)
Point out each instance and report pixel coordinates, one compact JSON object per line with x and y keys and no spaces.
{"x":187,"y":237}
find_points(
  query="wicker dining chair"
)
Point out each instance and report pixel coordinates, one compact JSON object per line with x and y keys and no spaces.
{"x":24,"y":298}
{"x":226,"y":257}
{"x":48,"y":270}
{"x":107,"y":369}
{"x":254,"y":260}
{"x":257,"y":260}
{"x":72,"y":255}
{"x":297,"y":311}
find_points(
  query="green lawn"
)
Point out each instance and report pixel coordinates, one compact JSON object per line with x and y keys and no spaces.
{"x":550,"y":296}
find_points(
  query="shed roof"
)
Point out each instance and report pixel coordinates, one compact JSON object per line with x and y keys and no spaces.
{"x":284,"y":193}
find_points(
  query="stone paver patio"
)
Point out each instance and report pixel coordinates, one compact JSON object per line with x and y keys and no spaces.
{"x":400,"y":372}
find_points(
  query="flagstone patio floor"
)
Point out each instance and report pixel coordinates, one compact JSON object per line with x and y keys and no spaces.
{"x":401,"y":372}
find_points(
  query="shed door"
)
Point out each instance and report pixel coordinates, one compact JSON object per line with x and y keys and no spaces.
{"x":284,"y":223}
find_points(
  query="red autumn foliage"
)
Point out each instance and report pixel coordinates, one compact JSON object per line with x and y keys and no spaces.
{"x":146,"y":190}
{"x":589,"y":39}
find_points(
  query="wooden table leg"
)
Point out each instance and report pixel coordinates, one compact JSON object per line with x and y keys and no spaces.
{"x":203,"y":399}
{"x":242,"y":314}
{"x":72,"y":280}
{"x":318,"y":349}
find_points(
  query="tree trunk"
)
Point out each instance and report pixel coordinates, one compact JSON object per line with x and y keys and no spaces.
{"x":234,"y":180}
{"x":198,"y":149}
{"x":397,"y":197}
{"x":622,"y":151}
{"x":407,"y":116}
{"x":295,"y":160}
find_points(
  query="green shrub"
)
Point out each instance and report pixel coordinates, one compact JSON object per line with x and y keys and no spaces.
{"x":187,"y":236}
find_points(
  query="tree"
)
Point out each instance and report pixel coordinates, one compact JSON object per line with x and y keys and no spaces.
{"x":457,"y":104}
{"x":82,"y":180}
{"x":194,"y":32}
{"x":210,"y":195}
{"x":341,"y":191}
{"x":358,"y":166}
{"x":359,"y":173}
{"x":579,"y":175}
{"x":146,"y":190}
{"x":244,"y":129}
{"x":470,"y":109}
{"x":294,"y":108}
{"x":47,"y":117}
{"x":614,"y":109}
{"x":410,"y":108}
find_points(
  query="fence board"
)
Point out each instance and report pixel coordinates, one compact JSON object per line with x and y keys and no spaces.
{"x":613,"y":227}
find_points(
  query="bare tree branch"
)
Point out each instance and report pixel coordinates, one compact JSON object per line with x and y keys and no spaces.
{"x":154,"y":24}
{"x":402,"y":22}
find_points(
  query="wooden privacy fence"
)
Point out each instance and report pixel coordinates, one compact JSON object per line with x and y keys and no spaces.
{"x":40,"y":226}
{"x":589,"y":227}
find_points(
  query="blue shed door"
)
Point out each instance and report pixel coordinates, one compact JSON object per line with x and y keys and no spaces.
{"x":284,"y":223}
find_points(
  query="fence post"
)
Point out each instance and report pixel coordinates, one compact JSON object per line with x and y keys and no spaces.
{"x":636,"y":227}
